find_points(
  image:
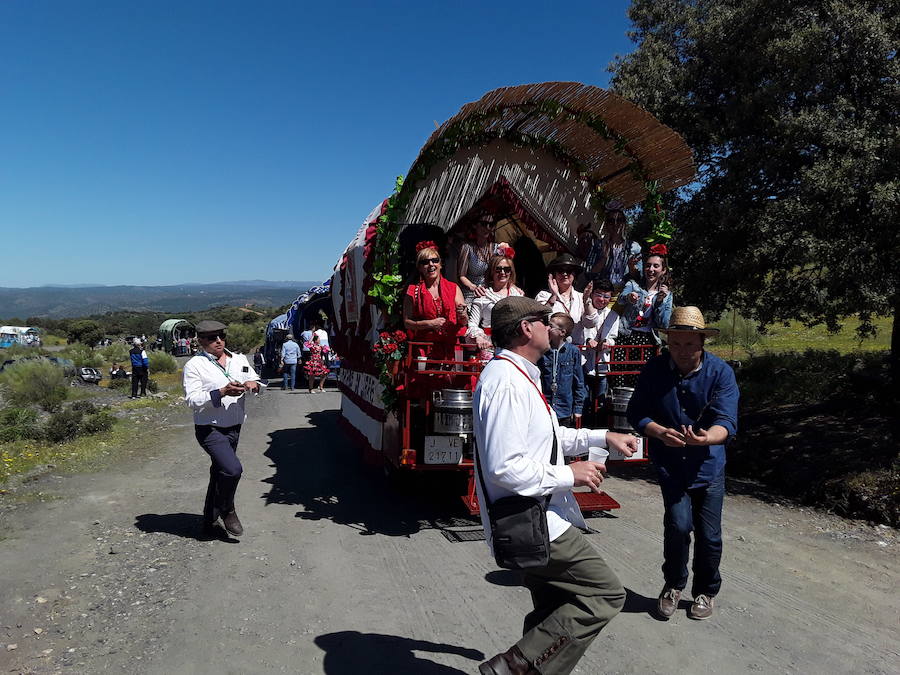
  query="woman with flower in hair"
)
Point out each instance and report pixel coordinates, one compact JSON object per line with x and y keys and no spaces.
{"x":646,"y":307}
{"x":501,"y":277}
{"x":433,"y":308}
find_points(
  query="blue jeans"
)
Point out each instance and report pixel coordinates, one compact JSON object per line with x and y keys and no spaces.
{"x":290,"y":375}
{"x":697,"y":510}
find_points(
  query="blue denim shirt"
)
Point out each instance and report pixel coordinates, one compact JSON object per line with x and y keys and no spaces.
{"x":570,"y":390}
{"x":659,"y":314}
{"x":702,"y":399}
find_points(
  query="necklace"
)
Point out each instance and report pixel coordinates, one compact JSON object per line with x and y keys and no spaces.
{"x":567,"y":307}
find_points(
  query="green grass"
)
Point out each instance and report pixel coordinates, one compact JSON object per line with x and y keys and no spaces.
{"x":24,"y":456}
{"x":795,"y":337}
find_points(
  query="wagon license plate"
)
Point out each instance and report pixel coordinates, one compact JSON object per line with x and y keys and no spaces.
{"x":443,"y":449}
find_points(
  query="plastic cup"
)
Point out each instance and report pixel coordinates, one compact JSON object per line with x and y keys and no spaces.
{"x":598,"y":455}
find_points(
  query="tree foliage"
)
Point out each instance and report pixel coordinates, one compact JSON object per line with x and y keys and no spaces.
{"x":244,"y":338}
{"x":791,"y":107}
{"x":85,"y":331}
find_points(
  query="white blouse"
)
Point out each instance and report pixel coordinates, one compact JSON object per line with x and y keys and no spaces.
{"x":480,"y":309}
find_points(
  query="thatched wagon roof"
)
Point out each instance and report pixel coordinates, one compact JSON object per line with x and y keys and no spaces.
{"x":614,"y":144}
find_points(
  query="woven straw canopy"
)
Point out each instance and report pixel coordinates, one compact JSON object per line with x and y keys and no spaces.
{"x":615,"y":145}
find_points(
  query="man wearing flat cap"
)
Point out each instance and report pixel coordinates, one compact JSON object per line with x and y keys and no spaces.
{"x":686,"y":403}
{"x":520,"y":449}
{"x":215,"y":382}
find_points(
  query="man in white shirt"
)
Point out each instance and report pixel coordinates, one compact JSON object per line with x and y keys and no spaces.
{"x":215,"y":381}
{"x":576,"y":594}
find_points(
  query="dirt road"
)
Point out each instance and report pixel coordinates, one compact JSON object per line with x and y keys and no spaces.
{"x":336,"y":574}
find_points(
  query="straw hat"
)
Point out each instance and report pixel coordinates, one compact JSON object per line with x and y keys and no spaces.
{"x":688,"y":320}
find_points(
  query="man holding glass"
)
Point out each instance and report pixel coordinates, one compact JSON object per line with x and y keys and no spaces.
{"x":517,"y":435}
{"x":215,"y":382}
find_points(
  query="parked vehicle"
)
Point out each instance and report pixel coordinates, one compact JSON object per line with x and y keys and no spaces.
{"x":90,"y":375}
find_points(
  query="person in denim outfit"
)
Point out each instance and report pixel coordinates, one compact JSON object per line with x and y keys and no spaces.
{"x":562,"y":377}
{"x":644,"y":309}
{"x":686,"y":404}
{"x":290,"y":354}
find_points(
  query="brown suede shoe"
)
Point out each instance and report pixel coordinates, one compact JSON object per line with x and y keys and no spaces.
{"x":232,"y":524}
{"x":511,"y":662}
{"x":668,"y":602}
{"x":701,"y":608}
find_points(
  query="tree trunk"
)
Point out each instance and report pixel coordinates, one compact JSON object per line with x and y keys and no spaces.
{"x":895,"y":344}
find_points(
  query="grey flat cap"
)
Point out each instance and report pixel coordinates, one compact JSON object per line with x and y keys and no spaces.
{"x":210,"y":326}
{"x":513,"y":309}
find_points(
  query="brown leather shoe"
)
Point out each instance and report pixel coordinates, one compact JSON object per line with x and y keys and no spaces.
{"x":702,"y":607}
{"x":232,"y":524}
{"x":668,"y":602}
{"x":510,"y":662}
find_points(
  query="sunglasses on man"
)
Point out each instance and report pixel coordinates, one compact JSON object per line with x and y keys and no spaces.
{"x":430,"y":261}
{"x":212,"y":337}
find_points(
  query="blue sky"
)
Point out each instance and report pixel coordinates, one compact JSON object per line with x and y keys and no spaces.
{"x":162,"y":142}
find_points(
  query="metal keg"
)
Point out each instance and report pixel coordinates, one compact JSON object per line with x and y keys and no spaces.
{"x":620,"y":398}
{"x":452,"y":411}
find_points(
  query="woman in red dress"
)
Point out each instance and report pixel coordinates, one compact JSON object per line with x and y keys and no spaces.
{"x":433,"y":309}
{"x":315,"y":364}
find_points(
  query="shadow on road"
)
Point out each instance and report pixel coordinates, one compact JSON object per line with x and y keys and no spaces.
{"x":350,"y":652}
{"x":319,"y":468}
{"x":185,"y":525}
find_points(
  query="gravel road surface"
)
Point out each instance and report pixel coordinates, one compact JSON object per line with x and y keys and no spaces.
{"x":338,"y":574}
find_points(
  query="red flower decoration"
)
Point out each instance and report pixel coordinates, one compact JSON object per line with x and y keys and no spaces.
{"x":425,"y":244}
{"x":659,"y":249}
{"x":508,"y":252}
{"x":400,"y":336}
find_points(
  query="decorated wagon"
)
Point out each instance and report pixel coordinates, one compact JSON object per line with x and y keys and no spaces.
{"x":541,"y":159}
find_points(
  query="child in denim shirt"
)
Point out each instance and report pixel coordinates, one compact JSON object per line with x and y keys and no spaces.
{"x":562,"y":377}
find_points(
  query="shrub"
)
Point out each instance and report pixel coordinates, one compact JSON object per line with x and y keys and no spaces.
{"x":17,"y":424}
{"x":160,"y":362}
{"x":83,"y":356}
{"x":117,"y":352}
{"x":242,"y":337}
{"x":18,"y":351}
{"x":123,"y":383}
{"x":36,"y":382}
{"x":63,"y":425}
{"x":152,"y":385}
{"x":94,"y":423}
{"x":84,"y":407}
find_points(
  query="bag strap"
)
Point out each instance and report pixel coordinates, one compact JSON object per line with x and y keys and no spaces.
{"x":553,"y":453}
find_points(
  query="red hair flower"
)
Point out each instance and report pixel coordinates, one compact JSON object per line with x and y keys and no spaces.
{"x":659,"y":249}
{"x":508,"y":252}
{"x":425,"y":244}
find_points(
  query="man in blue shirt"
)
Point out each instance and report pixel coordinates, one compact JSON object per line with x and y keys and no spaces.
{"x":290,"y":354}
{"x":686,"y":402}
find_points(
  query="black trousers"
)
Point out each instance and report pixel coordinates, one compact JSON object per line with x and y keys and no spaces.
{"x":139,"y":375}
{"x":220,"y":443}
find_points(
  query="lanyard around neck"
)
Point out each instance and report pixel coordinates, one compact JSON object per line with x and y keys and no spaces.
{"x":525,"y":375}
{"x":219,"y":365}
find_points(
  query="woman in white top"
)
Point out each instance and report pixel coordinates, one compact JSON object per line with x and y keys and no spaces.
{"x":500,"y":283}
{"x":562,"y":296}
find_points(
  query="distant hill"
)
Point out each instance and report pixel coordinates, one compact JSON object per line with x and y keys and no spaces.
{"x":58,"y":302}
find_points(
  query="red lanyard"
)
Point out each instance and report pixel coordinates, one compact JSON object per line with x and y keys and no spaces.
{"x":525,"y":375}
